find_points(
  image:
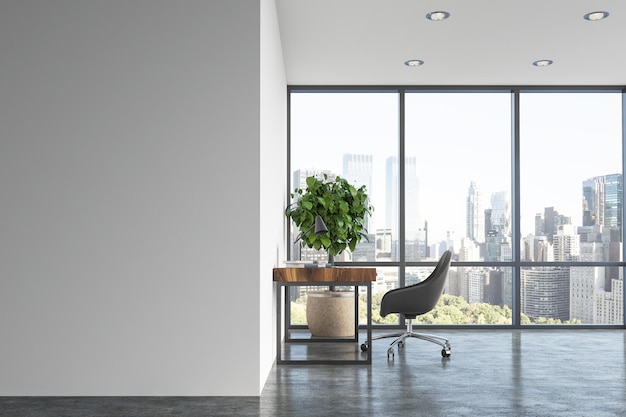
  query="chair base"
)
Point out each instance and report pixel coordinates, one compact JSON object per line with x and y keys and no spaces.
{"x":409,"y":333}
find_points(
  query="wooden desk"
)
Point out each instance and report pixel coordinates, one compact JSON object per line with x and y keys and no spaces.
{"x":336,"y":276}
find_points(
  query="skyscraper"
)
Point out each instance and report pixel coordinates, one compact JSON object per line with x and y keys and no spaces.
{"x":610,"y":305}
{"x":414,"y":222}
{"x":603,"y":201}
{"x":501,"y":212}
{"x":593,"y":201}
{"x":358,"y":169}
{"x":566,"y":244}
{"x":585,"y":282}
{"x":476,"y":278}
{"x":602,"y":206}
{"x":613,"y":201}
{"x":545,"y":292}
{"x":551,"y":222}
{"x":392,"y":187}
{"x":475,"y":217}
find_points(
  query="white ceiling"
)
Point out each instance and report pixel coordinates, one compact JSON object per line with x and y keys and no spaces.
{"x":483,"y":43}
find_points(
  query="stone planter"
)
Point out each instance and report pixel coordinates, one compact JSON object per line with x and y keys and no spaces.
{"x":330,"y":313}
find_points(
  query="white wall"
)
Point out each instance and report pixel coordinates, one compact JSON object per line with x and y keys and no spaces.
{"x":273,"y":179}
{"x":129,"y":198}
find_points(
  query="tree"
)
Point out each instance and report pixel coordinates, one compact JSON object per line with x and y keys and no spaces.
{"x":455,"y":310}
{"x":298,"y":311}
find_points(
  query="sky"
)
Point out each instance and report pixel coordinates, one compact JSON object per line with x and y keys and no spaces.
{"x":458,"y":138}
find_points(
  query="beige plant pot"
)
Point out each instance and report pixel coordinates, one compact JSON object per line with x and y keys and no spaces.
{"x":330,"y":313}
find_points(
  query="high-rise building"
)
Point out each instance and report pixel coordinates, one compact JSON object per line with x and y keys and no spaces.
{"x":358,"y":170}
{"x":493,"y":292}
{"x":497,"y":227}
{"x":612,"y":239}
{"x":585,"y":282}
{"x":593,"y":201}
{"x":487,"y":221}
{"x":413,"y":220}
{"x":603,"y":201}
{"x":383,"y":247}
{"x":602,"y":207}
{"x":540,"y":225}
{"x":501,"y":212}
{"x":474,"y":220}
{"x":492,"y":246}
{"x":538,"y":249}
{"x":392,"y":189}
{"x":476,"y":278}
{"x":613,"y":201}
{"x":551,"y":222}
{"x":300,"y":176}
{"x":545,"y":292}
{"x":610,"y":304}
{"x":469,"y":250}
{"x":566,"y":244}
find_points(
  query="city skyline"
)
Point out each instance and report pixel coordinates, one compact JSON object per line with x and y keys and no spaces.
{"x":498,"y":202}
{"x":459,"y":137}
{"x":460,"y":158}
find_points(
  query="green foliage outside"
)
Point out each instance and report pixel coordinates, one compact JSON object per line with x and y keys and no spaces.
{"x":449,"y":310}
{"x":298,"y":311}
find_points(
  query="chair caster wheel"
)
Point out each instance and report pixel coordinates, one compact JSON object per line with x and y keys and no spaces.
{"x":445,"y":353}
{"x":391,"y":352}
{"x":364,"y":347}
{"x":400,"y":344}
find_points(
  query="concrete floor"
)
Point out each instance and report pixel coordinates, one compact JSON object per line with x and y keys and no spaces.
{"x":490,"y":373}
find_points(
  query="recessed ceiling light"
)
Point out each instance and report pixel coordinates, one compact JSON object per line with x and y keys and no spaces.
{"x":593,"y":16}
{"x":543,"y":62}
{"x":437,"y":16}
{"x":414,"y":63}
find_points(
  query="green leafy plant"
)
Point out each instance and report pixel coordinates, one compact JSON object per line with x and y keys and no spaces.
{"x":342,"y":206}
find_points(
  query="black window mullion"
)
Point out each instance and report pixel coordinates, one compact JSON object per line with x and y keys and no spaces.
{"x":515,"y":206}
{"x":622,"y":214}
{"x":401,"y":195}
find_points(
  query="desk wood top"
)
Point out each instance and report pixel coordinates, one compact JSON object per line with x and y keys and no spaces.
{"x":332,"y":274}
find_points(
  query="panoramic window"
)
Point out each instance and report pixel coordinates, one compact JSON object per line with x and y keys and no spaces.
{"x":457,"y":194}
{"x":536,"y":234}
{"x":354,"y":135}
{"x":571,"y":197}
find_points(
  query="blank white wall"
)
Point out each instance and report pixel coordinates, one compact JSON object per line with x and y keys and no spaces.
{"x":129,"y":198}
{"x":273,"y":178}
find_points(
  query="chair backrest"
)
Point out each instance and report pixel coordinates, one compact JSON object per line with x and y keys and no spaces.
{"x":419,"y":298}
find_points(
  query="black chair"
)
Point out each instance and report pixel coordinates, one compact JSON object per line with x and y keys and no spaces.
{"x":412,"y":301}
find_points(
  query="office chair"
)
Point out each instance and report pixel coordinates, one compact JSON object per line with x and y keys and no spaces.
{"x":412,"y":301}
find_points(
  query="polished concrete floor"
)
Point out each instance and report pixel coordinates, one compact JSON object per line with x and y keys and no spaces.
{"x":490,"y":373}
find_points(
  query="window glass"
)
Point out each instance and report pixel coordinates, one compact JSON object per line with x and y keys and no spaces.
{"x":458,"y":194}
{"x":571,"y":191}
{"x":353,"y":135}
{"x":458,"y":175}
{"x":571,"y":199}
{"x":571,"y":295}
{"x":472,"y":295}
{"x":458,"y":188}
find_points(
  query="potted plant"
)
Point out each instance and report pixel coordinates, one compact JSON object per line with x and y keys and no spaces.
{"x":341,"y":205}
{"x":343,"y":208}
